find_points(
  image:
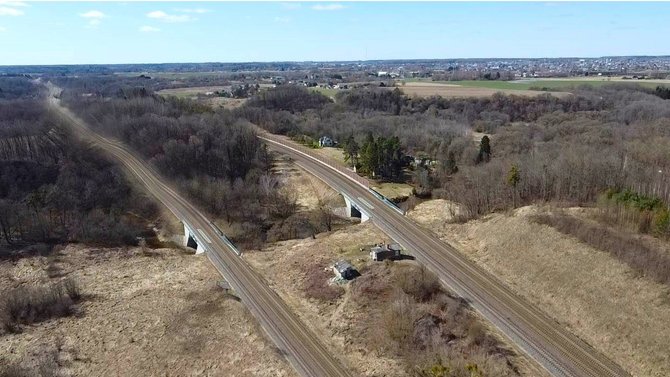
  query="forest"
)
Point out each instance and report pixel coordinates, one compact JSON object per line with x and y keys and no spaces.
{"x":488,"y":154}
{"x":53,"y":187}
{"x":504,"y":151}
{"x":214,"y":157}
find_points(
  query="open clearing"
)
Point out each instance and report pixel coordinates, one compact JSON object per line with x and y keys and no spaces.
{"x":597,"y":297}
{"x":199,"y":93}
{"x":453,"y":90}
{"x":328,"y":92}
{"x":192,"y":91}
{"x":143,"y":314}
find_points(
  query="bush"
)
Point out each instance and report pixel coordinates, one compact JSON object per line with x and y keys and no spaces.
{"x":26,"y":305}
{"x":418,"y":283}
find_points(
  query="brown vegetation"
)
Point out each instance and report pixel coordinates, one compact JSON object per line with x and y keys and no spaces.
{"x":142,"y":315}
{"x":410,"y":316}
{"x":643,"y":259}
{"x":425,"y":89}
{"x":26,"y":305}
{"x":317,"y":283}
{"x":593,"y":293}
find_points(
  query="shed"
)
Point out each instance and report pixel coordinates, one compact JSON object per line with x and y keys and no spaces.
{"x":344,"y":270}
{"x":385,"y":251}
{"x":325,"y":141}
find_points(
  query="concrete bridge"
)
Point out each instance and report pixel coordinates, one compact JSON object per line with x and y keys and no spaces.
{"x":358,"y":207}
{"x":199,"y":240}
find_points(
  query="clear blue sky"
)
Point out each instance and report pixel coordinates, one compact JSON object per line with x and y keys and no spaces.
{"x":157,"y":32}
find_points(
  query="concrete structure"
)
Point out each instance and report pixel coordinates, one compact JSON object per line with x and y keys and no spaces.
{"x":190,"y":240}
{"x":385,"y":251}
{"x":357,"y":210}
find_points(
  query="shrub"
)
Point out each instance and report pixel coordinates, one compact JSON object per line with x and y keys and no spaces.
{"x":25,"y":305}
{"x":418,"y":283}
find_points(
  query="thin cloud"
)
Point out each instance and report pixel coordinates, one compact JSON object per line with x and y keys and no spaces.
{"x":7,"y":11}
{"x":94,"y":18}
{"x":291,"y":6}
{"x":93,"y":14}
{"x":193,"y":10}
{"x":162,"y":16}
{"x":282,"y":20}
{"x":149,"y":29}
{"x":328,"y":7}
{"x":2,"y":29}
{"x":13,"y":4}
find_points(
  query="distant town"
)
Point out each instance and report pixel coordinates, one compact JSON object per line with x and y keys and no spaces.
{"x":632,"y":67}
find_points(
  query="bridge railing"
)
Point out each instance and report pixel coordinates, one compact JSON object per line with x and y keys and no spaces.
{"x":318,"y":156}
{"x":386,"y":201}
{"x":225,"y":239}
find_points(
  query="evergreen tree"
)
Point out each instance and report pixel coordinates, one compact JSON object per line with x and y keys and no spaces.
{"x":351,"y":149}
{"x":450,"y":164}
{"x":484,"y":150}
{"x":513,"y":178}
{"x":368,"y":156}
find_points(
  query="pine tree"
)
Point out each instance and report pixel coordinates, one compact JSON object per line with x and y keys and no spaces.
{"x":450,"y":164}
{"x":513,"y":178}
{"x":350,"y":150}
{"x":484,"y":150}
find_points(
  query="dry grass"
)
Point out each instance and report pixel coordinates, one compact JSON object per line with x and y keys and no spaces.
{"x":334,"y":153}
{"x":141,"y":316}
{"x":394,"y":190}
{"x":423,"y":89}
{"x":26,"y":305}
{"x":624,"y":246}
{"x":591,"y":292}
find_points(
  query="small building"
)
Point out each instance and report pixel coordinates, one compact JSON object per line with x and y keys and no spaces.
{"x":325,"y":141}
{"x":344,"y":270}
{"x":385,"y":251}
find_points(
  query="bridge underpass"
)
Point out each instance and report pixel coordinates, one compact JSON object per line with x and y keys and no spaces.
{"x":355,"y":209}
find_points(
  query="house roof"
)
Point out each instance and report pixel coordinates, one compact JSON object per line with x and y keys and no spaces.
{"x":343,"y":266}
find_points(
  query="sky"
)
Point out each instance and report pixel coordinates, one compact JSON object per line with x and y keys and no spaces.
{"x":164,"y":32}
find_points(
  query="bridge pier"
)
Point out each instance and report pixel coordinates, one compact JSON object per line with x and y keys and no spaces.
{"x":354,"y":211}
{"x":190,"y":241}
